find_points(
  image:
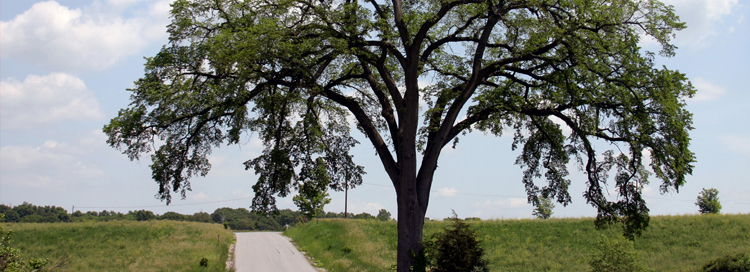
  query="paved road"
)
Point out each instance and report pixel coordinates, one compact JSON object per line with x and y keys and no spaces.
{"x":268,"y":252}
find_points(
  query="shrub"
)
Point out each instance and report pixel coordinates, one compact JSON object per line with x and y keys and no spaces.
{"x":204,"y":262}
{"x":456,"y":248}
{"x":708,"y":201}
{"x":730,"y":263}
{"x":616,"y":255}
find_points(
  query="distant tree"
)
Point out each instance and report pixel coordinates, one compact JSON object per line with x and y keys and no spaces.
{"x":25,"y":209}
{"x":362,"y":215}
{"x":78,"y":214}
{"x":312,"y":195}
{"x":543,"y":210}
{"x":384,"y":215}
{"x":562,"y":75}
{"x":200,"y":217}
{"x":708,"y":201}
{"x":144,"y":215}
{"x":34,"y":218}
{"x":172,"y":216}
{"x":10,"y":214}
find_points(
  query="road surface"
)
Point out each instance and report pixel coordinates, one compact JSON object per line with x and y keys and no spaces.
{"x":268,"y":252}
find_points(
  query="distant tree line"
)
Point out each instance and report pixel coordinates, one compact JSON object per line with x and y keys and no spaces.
{"x":236,"y":219}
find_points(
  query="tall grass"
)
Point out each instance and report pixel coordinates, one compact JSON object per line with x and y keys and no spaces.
{"x":125,"y":245}
{"x":671,"y":243}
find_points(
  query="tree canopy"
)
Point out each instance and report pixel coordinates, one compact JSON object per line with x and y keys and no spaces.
{"x":292,"y":71}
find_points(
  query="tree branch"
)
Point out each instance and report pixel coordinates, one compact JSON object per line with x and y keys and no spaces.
{"x":391,"y":166}
{"x":385,"y":104}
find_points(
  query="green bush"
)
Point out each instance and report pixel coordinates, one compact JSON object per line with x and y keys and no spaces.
{"x":456,"y":248}
{"x":730,"y":263}
{"x":616,"y":255}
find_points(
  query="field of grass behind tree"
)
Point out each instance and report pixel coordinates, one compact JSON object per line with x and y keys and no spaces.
{"x":671,"y":243}
{"x":125,"y":245}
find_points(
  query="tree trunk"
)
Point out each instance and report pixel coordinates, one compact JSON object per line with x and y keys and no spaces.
{"x":410,"y":223}
{"x":346,"y":200}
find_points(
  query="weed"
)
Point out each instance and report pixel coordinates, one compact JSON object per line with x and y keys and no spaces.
{"x":346,"y":249}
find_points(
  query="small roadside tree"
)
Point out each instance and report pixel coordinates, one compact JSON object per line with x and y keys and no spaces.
{"x":708,"y":201}
{"x":543,"y":210}
{"x":312,"y":195}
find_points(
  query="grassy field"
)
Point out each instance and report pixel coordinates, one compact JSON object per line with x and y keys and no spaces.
{"x":671,"y":243}
{"x":125,"y":245}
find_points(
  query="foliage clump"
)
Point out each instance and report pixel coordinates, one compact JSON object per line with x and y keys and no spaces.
{"x":708,"y":201}
{"x":731,"y":263}
{"x":456,"y":248}
{"x":616,"y":255}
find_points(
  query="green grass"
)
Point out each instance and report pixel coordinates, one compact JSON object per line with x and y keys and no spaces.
{"x":125,"y":245}
{"x":671,"y":243}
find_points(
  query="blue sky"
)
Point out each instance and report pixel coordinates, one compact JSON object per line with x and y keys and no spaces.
{"x":65,"y":67}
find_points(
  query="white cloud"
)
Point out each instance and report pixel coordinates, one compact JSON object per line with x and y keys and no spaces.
{"x":238,"y":193}
{"x":57,"y":37}
{"x":200,"y":196}
{"x":95,"y":139}
{"x":737,"y":143}
{"x":447,"y":192}
{"x":40,"y":100}
{"x":510,"y":203}
{"x":368,"y":207}
{"x":51,"y":166}
{"x":702,"y":17}
{"x":707,"y":91}
{"x":122,"y":3}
